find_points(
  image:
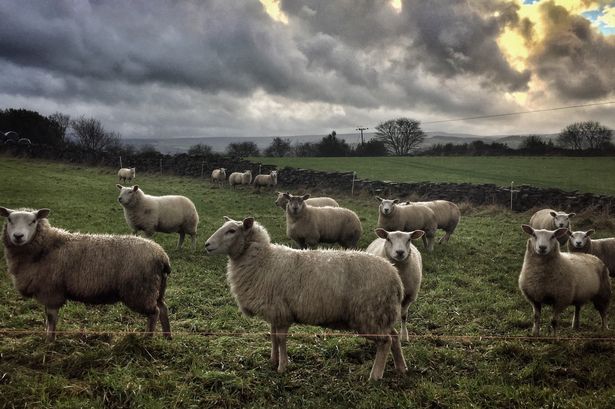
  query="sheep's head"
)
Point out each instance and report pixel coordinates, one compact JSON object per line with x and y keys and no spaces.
{"x":386,"y":206}
{"x":274,"y":175}
{"x":128,"y":195}
{"x":295,"y":204}
{"x":544,"y":241}
{"x":133,"y":171}
{"x":281,"y":201}
{"x":579,"y":239}
{"x":21,"y":225}
{"x":561,"y":219}
{"x":398,"y":244}
{"x":230,"y":238}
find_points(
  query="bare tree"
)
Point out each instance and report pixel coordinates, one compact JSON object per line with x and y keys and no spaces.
{"x":61,"y":122}
{"x":400,"y":136}
{"x":279,"y":147}
{"x":585,"y":135}
{"x":92,"y":135}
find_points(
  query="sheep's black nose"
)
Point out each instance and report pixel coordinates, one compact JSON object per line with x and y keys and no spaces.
{"x":207,"y":244}
{"x":542,"y":248}
{"x":578,"y":244}
{"x":18,"y":236}
{"x":399,"y":253}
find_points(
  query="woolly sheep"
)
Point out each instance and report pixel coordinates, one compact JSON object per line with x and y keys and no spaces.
{"x":238,"y":178}
{"x":392,"y":217}
{"x":447,"y":216}
{"x":397,"y":247}
{"x":165,"y":214}
{"x":125,"y":174}
{"x":309,"y":225}
{"x":218,"y":176}
{"x":549,"y":219}
{"x":281,"y":201}
{"x":347,"y":290}
{"x":53,"y":265}
{"x":269,"y":180}
{"x":604,"y":249}
{"x":561,"y":279}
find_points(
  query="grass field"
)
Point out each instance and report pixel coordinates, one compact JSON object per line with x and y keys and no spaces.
{"x":596,"y":175}
{"x":469,"y":288}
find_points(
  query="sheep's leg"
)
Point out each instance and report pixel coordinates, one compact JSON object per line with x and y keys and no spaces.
{"x":275,"y":352}
{"x":404,"y":321}
{"x":536,"y":328}
{"x":603,"y":316}
{"x":51,"y":319}
{"x":398,"y":355}
{"x":193,"y":239}
{"x":283,"y":354}
{"x":152,"y":319}
{"x":180,"y":241}
{"x":445,"y":238}
{"x":576,"y":318}
{"x":557,"y":310}
{"x":382,"y":352}
{"x":164,"y":319}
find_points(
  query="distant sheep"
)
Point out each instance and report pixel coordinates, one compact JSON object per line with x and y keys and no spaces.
{"x":239,"y":178}
{"x":218,"y":176}
{"x":269,"y":180}
{"x":309,"y":225}
{"x":126,"y":174}
{"x":561,"y":279}
{"x":392,"y":217}
{"x":165,"y":214}
{"x":397,"y":247}
{"x":447,"y":216}
{"x":281,"y":201}
{"x":604,"y":249}
{"x":549,"y":219}
{"x":53,"y":265}
{"x":346,"y":290}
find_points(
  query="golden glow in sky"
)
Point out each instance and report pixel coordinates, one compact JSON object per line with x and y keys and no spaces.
{"x":272,"y":7}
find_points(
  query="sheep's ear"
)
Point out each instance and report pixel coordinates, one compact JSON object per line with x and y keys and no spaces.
{"x":417,"y":234}
{"x":560,"y":232}
{"x":248,"y":222}
{"x":227,"y":219}
{"x":528,"y":229}
{"x":378,"y":198}
{"x":135,"y":188}
{"x":120,"y":187}
{"x":553,"y":214}
{"x":286,"y":195}
{"x":571,"y":215}
{"x":42,"y":213}
{"x":590,"y":232}
{"x":4,"y":212}
{"x":569,"y":233}
{"x":396,"y":201}
{"x":380,"y":232}
{"x":305,"y":197}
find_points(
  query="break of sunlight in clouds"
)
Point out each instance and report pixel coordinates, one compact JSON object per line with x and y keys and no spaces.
{"x":272,"y":7}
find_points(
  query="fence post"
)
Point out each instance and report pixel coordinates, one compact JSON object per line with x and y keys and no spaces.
{"x":202,"y":168}
{"x":353,"y":177}
{"x":160,"y":166}
{"x":259,"y":168}
{"x":121,"y":162}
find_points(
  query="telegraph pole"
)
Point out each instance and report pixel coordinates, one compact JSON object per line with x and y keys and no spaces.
{"x":362,"y":129}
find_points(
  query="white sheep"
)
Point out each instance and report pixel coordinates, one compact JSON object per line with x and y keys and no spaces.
{"x":346,"y":290}
{"x":52,"y":266}
{"x":269,"y":180}
{"x":218,"y":176}
{"x":309,"y":225}
{"x":281,"y":201}
{"x":239,"y":178}
{"x":392,"y":217}
{"x":165,"y":214}
{"x":126,"y":174}
{"x":447,"y":216}
{"x":551,"y":277}
{"x":397,"y":247}
{"x":550,"y":219}
{"x":604,"y":249}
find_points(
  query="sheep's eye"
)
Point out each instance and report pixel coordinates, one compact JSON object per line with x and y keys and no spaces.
{"x":387,"y":239}
{"x":232,"y":231}
{"x":33,"y":222}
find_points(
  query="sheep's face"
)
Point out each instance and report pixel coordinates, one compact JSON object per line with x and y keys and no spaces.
{"x":561,"y":219}
{"x":579,"y":239}
{"x":281,"y":201}
{"x":387,"y":206}
{"x":295,"y":204}
{"x":127,"y":195}
{"x":544,"y":241}
{"x":398,"y":244}
{"x":230,"y":238}
{"x":21,"y":225}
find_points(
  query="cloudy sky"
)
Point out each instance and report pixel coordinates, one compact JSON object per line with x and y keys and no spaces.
{"x":154,"y":68}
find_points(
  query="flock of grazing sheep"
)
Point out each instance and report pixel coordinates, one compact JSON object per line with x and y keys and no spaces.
{"x":364,"y":291}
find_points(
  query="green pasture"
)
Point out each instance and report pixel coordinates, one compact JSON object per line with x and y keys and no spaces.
{"x":469,"y":289}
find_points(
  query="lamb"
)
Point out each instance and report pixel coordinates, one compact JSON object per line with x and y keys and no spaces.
{"x":397,"y":247}
{"x":53,"y":265}
{"x":447,"y":216}
{"x":238,"y":178}
{"x":281,"y":201}
{"x":347,"y":290}
{"x":165,"y":214}
{"x":561,"y":279}
{"x":125,"y":174}
{"x":549,"y":219}
{"x":604,"y":249}
{"x":309,"y":225}
{"x":269,"y":180}
{"x":218,"y":176}
{"x":392,"y":217}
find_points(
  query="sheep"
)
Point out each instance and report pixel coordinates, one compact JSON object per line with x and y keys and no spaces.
{"x":549,"y":219}
{"x":347,"y":290}
{"x":281,"y":201}
{"x":309,"y":225}
{"x":397,"y":247}
{"x":165,"y":214}
{"x":549,"y":276}
{"x":393,"y":217}
{"x":238,"y":178}
{"x":447,"y":216}
{"x":604,"y":249}
{"x":269,"y":180}
{"x":126,"y":174}
{"x":53,"y":265}
{"x":218,"y":176}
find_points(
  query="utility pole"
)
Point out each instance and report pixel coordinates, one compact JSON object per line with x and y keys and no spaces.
{"x":362,"y":129}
